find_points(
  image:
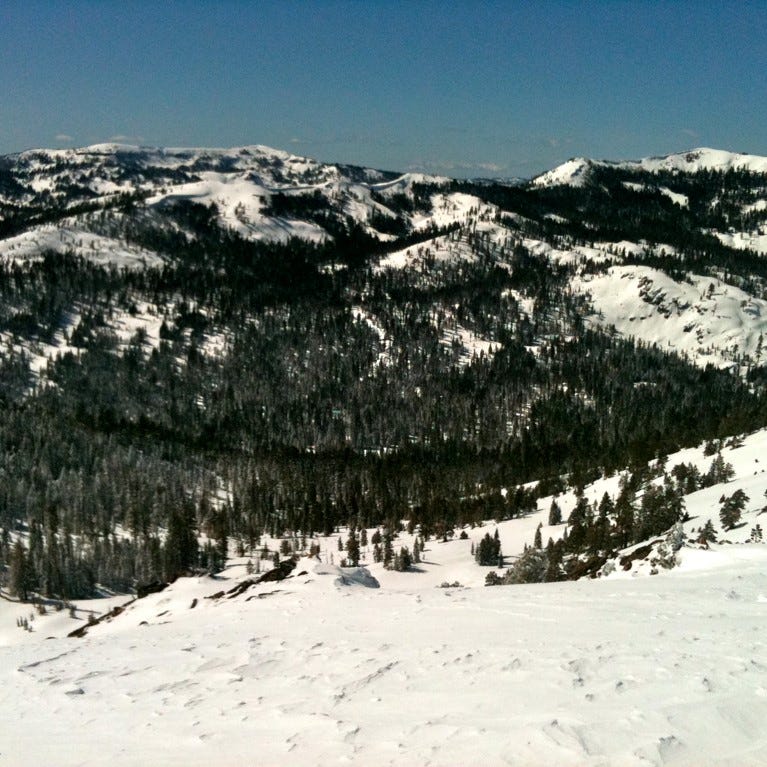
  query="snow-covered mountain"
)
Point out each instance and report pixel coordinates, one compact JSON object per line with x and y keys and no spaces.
{"x":574,"y":172}
{"x":74,"y":201}
{"x":240,"y":182}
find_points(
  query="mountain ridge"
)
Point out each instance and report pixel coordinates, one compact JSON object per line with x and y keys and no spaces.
{"x":262,"y":311}
{"x":575,"y":170}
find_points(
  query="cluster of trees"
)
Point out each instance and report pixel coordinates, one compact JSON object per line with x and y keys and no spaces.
{"x":488,"y":550}
{"x":650,"y":502}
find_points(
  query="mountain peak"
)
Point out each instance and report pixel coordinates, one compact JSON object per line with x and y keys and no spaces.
{"x":574,"y":172}
{"x":704,"y":158}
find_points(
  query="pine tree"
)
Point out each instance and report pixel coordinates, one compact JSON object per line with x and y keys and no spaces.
{"x":553,"y":561}
{"x":707,"y":534}
{"x":624,"y":519}
{"x":180,"y":550}
{"x":352,"y":550}
{"x":488,"y":552}
{"x":21,"y":579}
{"x":732,"y":509}
{"x":388,"y":550}
{"x":578,"y":524}
{"x":402,"y":561}
{"x":718,"y":472}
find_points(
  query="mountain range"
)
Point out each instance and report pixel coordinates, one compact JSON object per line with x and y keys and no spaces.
{"x":270,"y":426}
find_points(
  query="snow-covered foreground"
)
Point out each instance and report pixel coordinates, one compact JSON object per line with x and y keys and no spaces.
{"x":327,"y":668}
{"x":309,"y":671}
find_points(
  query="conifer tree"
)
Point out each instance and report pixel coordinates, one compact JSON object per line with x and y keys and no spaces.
{"x":352,"y":550}
{"x":21,"y":579}
{"x":732,"y":509}
{"x":707,"y":534}
{"x":555,"y":514}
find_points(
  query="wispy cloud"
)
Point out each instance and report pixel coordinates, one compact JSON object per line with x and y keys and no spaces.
{"x":691,"y":133}
{"x":121,"y":138}
{"x":491,"y":167}
{"x":63,"y":137}
{"x":345,"y":139}
{"x":455,"y":166}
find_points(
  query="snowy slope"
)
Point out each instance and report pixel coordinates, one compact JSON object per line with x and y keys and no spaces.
{"x":69,"y":237}
{"x":703,"y":317}
{"x":337,"y":666}
{"x":574,"y":172}
{"x":753,"y":240}
{"x":311,"y":672}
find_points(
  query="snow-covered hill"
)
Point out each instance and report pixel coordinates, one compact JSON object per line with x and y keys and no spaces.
{"x":337,"y":665}
{"x":574,"y":172}
{"x":702,"y":317}
{"x":239,"y":182}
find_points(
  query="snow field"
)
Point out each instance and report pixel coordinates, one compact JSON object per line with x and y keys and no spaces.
{"x":319,"y":669}
{"x":704,"y":318}
{"x":640,"y":672}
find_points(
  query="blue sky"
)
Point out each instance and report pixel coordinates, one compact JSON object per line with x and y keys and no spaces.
{"x":469,"y":88}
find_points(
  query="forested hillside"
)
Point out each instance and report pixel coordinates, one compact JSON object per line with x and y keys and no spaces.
{"x":200,"y":347}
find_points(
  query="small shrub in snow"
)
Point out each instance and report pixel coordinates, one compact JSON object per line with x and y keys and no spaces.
{"x":529,"y":568}
{"x":493,"y":579}
{"x":665,"y":558}
{"x":707,"y":534}
{"x":676,"y":537}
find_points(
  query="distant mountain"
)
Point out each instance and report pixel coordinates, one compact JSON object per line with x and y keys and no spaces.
{"x":575,"y":172}
{"x":201,"y":345}
{"x":242,"y":183}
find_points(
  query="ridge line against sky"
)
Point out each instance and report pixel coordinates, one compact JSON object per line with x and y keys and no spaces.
{"x":462,"y":89}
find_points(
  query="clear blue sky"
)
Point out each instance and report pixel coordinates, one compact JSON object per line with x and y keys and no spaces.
{"x":462,"y":88}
